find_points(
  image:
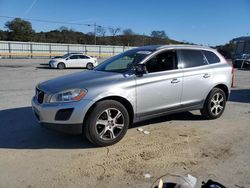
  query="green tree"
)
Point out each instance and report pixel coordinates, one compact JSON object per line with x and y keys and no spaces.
{"x":159,"y":34}
{"x":3,"y":35}
{"x":128,"y":32}
{"x":127,"y":37}
{"x":19,"y":30}
{"x":227,"y":49}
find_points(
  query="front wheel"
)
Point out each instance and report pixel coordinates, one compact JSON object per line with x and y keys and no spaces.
{"x":215,"y":104}
{"x":107,"y":123}
{"x":61,"y":66}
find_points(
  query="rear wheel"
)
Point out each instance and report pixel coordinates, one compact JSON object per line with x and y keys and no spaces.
{"x":107,"y":123}
{"x":89,"y":66}
{"x":61,"y":66}
{"x":215,"y":104}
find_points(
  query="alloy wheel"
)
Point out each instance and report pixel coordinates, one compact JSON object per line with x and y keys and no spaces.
{"x":110,"y":124}
{"x":217,"y":104}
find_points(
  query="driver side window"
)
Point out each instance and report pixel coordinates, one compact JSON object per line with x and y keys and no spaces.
{"x":163,"y":61}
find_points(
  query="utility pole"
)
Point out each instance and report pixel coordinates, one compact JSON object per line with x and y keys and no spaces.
{"x":143,"y":39}
{"x":95,"y":32}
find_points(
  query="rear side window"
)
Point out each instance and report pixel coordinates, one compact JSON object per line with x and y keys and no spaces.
{"x":211,"y":57}
{"x":192,"y":58}
{"x":83,"y":57}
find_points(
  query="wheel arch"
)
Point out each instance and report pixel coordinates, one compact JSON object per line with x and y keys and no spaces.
{"x":224,"y":88}
{"x":122,"y":100}
{"x":61,"y":63}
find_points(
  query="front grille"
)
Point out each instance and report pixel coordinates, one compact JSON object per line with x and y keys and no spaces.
{"x":39,"y":96}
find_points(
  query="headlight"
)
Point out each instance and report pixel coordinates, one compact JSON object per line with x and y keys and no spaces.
{"x":51,"y":61}
{"x":69,"y":95}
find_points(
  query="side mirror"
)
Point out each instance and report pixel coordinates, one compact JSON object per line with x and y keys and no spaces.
{"x":140,"y":69}
{"x":67,"y":59}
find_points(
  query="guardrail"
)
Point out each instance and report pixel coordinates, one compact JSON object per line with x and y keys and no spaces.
{"x":14,"y":49}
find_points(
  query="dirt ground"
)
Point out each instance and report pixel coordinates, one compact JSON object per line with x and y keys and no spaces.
{"x":180,"y":144}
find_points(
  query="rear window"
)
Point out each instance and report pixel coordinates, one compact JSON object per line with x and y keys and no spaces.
{"x":193,"y":58}
{"x":211,"y":57}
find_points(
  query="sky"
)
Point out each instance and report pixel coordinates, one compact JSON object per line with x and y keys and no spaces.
{"x":206,"y":22}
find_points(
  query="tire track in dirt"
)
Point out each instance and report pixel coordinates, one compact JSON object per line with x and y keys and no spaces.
{"x":123,"y":158}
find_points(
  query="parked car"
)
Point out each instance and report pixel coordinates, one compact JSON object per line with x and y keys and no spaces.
{"x":136,"y":85}
{"x":71,"y":60}
{"x":241,"y":61}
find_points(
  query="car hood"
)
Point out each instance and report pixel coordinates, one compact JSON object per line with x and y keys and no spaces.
{"x":84,"y":80}
{"x":56,"y":59}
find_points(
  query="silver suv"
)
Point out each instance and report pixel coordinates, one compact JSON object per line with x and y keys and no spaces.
{"x":136,"y":85}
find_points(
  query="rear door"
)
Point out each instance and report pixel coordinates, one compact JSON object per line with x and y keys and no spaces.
{"x":197,"y":77}
{"x":83,"y":60}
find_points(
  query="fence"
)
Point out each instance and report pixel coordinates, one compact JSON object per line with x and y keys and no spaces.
{"x":13,"y":49}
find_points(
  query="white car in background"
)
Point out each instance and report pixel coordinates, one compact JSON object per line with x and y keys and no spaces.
{"x":71,"y":60}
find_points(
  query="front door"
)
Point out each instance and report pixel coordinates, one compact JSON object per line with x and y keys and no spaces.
{"x":160,"y":89}
{"x":72,"y":61}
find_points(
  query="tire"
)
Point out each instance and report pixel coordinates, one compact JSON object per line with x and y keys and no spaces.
{"x":102,"y":128}
{"x":214,"y":105}
{"x":61,"y":66}
{"x":89,"y":66}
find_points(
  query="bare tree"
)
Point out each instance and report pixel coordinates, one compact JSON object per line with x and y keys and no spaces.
{"x":114,"y":31}
{"x":100,"y":31}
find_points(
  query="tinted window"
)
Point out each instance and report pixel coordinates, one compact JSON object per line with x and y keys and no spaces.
{"x":83,"y":57}
{"x":74,"y":57}
{"x":211,"y":57}
{"x":193,"y":58}
{"x":161,"y":62}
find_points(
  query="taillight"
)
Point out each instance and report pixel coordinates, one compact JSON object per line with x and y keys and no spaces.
{"x":232,"y":76}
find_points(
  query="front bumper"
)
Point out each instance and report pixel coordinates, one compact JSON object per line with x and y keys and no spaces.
{"x":52,"y":65}
{"x":95,"y":63}
{"x":47,"y":115}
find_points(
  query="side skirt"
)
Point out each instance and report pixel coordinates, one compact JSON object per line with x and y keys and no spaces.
{"x":178,"y":109}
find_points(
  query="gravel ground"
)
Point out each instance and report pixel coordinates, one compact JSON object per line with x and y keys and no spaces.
{"x":185,"y":143}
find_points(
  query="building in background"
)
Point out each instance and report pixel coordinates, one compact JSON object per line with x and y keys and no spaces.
{"x":241,"y":55}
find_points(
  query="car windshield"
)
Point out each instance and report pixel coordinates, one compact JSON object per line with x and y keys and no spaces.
{"x":65,"y":56}
{"x":124,"y":61}
{"x":68,"y":54}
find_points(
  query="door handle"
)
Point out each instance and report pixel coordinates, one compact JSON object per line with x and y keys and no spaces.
{"x":174,"y":81}
{"x":206,"y":75}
